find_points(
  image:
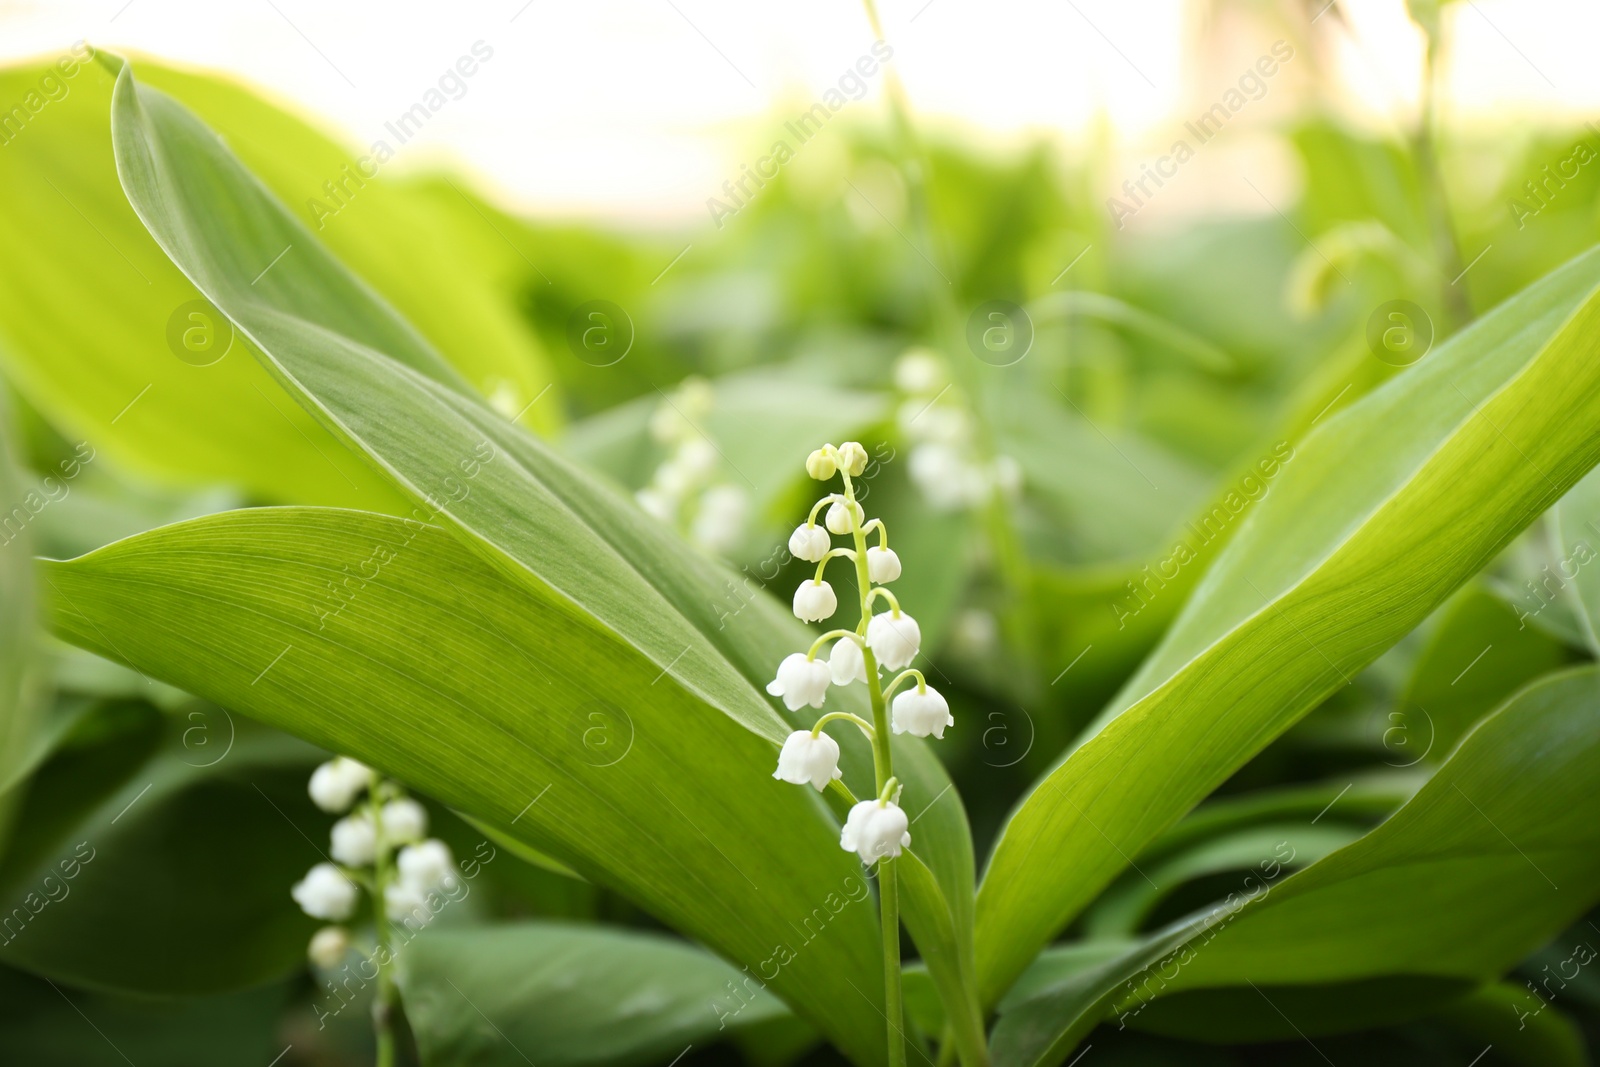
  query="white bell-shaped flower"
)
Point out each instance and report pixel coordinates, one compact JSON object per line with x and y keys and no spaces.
{"x":814,"y":601}
{"x":328,"y":947}
{"x":426,"y":866}
{"x":806,"y":759}
{"x":405,"y":822}
{"x":325,"y":893}
{"x":809,"y":542}
{"x":921,"y":713}
{"x":894,"y":639}
{"x":800,"y":681}
{"x":355,"y":840}
{"x":875,"y":830}
{"x":882,"y":565}
{"x":838,"y":517}
{"x":402,"y":902}
{"x":847,"y":664}
{"x":336,"y":784}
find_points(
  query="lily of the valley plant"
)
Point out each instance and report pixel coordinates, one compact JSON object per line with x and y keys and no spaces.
{"x":889,"y":640}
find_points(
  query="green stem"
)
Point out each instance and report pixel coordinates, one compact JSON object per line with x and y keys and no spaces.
{"x":883,"y":764}
{"x":383,"y":1006}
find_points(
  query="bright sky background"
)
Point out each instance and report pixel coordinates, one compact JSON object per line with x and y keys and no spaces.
{"x":638,"y":109}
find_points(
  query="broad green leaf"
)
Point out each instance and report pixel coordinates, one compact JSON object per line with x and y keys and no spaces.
{"x":569,"y":996}
{"x":21,"y":717}
{"x":85,"y":361}
{"x":1377,"y":516}
{"x":149,"y":832}
{"x":546,"y":525}
{"x":101,"y":364}
{"x":1478,"y":655}
{"x":1127,"y":904}
{"x":1577,"y":521}
{"x":1495,"y":855}
{"x":1363,"y":798}
{"x":508,"y":705}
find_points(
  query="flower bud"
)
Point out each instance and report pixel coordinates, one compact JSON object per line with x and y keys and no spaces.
{"x":875,"y":830}
{"x":336,"y":784}
{"x":882,"y":565}
{"x":852,"y":458}
{"x":405,"y":822}
{"x":325,"y":893}
{"x":800,"y":681}
{"x":328,"y":947}
{"x":355,"y":840}
{"x":814,"y":601}
{"x":920,"y":713}
{"x":894,"y":639}
{"x":820,"y":465}
{"x":426,"y":866}
{"x":806,"y":759}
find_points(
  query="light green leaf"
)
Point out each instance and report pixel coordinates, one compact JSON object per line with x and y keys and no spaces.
{"x":1127,"y":904}
{"x":1376,"y":517}
{"x":23,"y":726}
{"x":570,"y":996}
{"x":103,"y":364}
{"x":508,"y":705}
{"x":1496,"y":854}
{"x":1478,"y":655}
{"x":1577,"y":522}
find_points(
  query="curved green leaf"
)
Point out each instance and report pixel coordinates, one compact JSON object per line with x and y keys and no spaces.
{"x":102,"y":363}
{"x":508,"y":705}
{"x":1374,"y":519}
{"x":548,"y":526}
{"x":1496,"y":854}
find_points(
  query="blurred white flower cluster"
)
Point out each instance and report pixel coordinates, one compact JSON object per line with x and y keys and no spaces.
{"x":362,"y":849}
{"x":688,"y":490}
{"x":944,"y":463}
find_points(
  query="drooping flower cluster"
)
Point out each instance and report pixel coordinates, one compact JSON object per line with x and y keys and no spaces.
{"x":362,"y":856}
{"x":688,"y":490}
{"x":943,"y":462}
{"x":887,"y":640}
